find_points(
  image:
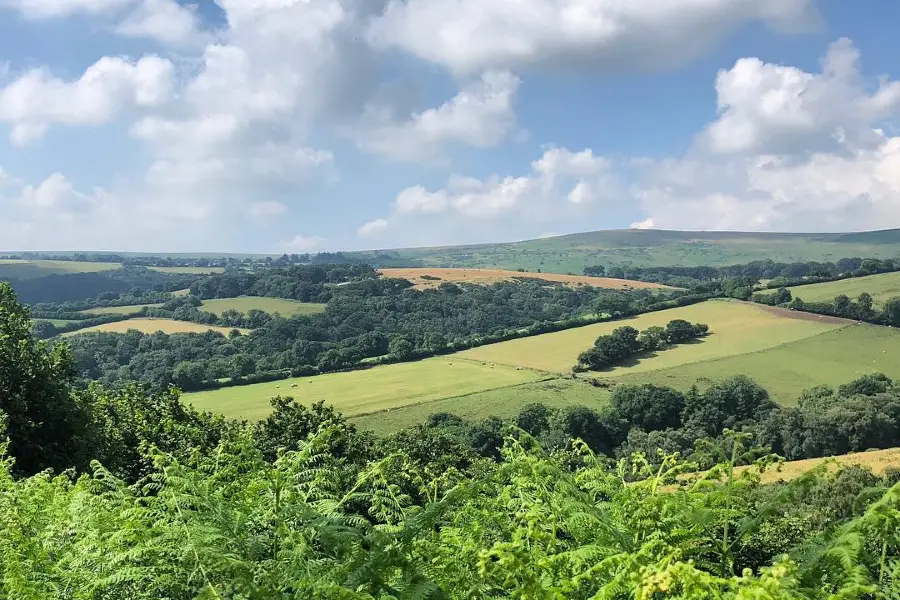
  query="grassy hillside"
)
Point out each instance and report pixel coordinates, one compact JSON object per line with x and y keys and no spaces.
{"x":359,"y":392}
{"x":571,"y":253}
{"x":153,"y":325}
{"x":286,"y":308}
{"x":881,"y":287}
{"x":834,"y":357}
{"x":786,"y":370}
{"x":55,"y":322}
{"x":32,"y":269}
{"x":500,"y":402}
{"x":118,"y":310}
{"x":735,"y":328}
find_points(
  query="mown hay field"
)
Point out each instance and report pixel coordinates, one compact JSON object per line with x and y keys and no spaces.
{"x":354,"y":393}
{"x":881,"y":287}
{"x":420,"y":278}
{"x":147,"y":325}
{"x":876,"y":460}
{"x":735,"y":328}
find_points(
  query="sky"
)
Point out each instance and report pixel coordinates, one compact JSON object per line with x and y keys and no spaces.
{"x":319,"y":125}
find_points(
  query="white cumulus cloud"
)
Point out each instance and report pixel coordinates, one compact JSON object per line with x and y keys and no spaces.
{"x":481,"y":115}
{"x":790,"y":151}
{"x":53,"y":9}
{"x":37,"y":99}
{"x":766,"y":107}
{"x":558,"y":177}
{"x":472,"y":35}
{"x":373,"y":227}
{"x":165,"y":21}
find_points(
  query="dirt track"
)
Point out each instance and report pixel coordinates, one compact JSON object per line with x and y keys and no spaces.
{"x":487,"y":276}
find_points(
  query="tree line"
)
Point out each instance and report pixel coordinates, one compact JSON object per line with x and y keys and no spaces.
{"x":779,"y":274}
{"x":150,"y":499}
{"x":626,"y":342}
{"x":860,"y":308}
{"x":826,"y":421}
{"x":306,"y":283}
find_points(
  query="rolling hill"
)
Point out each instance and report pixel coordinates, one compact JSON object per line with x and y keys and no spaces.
{"x":651,"y":247}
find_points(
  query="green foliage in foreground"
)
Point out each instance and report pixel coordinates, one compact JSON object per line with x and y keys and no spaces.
{"x":232,"y":525}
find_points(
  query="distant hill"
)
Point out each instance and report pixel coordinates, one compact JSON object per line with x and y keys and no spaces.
{"x":646,"y":247}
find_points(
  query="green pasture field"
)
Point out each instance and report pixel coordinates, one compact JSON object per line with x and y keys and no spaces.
{"x":354,"y":393}
{"x":831,"y":358}
{"x":148,"y":325}
{"x":32,"y":269}
{"x":881,"y":287}
{"x":286,"y":308}
{"x":118,"y":310}
{"x":189,"y":270}
{"x":56,"y":322}
{"x":735,"y":328}
{"x":501,"y":402}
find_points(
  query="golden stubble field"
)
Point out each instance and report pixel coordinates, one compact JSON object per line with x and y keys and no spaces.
{"x":488,"y":276}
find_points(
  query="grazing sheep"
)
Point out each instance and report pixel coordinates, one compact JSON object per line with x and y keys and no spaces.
{"x":293,"y":385}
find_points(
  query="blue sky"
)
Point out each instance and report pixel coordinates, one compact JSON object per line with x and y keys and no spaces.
{"x":307,"y":125}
